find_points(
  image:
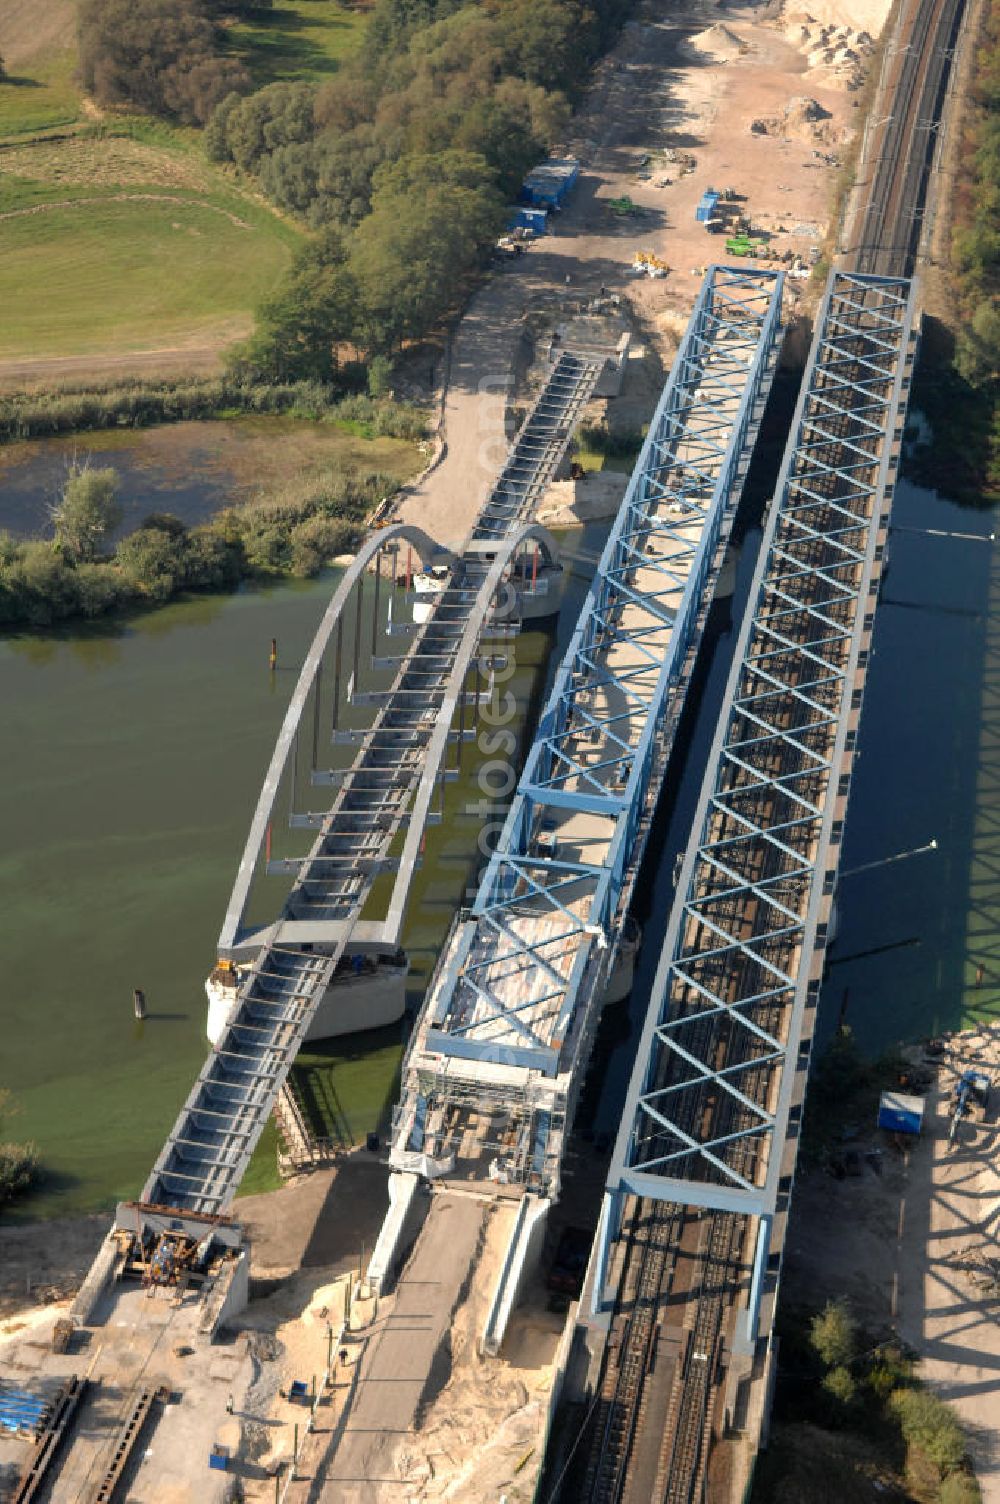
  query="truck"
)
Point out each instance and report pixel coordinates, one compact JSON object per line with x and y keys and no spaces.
{"x":742,"y":245}
{"x":973,"y":1090}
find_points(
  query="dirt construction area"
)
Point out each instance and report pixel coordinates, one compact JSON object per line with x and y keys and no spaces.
{"x":916,"y":1248}
{"x":761,"y":100}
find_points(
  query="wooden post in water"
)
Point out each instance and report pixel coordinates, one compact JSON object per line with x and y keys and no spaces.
{"x":273,"y":659}
{"x":139,"y":1002}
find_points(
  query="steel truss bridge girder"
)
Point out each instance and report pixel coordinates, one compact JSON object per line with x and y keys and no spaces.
{"x":686,"y":480}
{"x":708,"y":1109}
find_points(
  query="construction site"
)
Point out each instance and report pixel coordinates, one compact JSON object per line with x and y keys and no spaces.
{"x":505,"y":1307}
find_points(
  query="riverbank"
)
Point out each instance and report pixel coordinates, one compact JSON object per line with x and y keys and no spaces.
{"x":259,"y":498}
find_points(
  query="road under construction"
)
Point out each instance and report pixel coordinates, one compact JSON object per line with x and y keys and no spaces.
{"x":670,"y":1356}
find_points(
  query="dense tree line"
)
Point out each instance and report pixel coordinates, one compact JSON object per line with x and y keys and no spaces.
{"x":404,"y":162}
{"x":958,"y":377}
{"x":977,"y":239}
{"x":164,"y":56}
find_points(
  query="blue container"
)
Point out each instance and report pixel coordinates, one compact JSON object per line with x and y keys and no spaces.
{"x":547,"y":185}
{"x":900,"y":1114}
{"x":219,"y":1458}
{"x":706,"y":206}
{"x":535,"y":220}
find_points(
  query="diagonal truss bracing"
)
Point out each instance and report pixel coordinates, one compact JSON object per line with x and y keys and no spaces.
{"x":550,"y":906}
{"x":708,"y":1108}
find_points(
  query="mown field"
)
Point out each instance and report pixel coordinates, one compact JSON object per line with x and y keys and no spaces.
{"x":304,"y":39}
{"x":118,"y":235}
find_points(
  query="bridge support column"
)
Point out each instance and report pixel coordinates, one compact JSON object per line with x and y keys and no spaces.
{"x":745,"y":1336}
{"x":609,"y":1228}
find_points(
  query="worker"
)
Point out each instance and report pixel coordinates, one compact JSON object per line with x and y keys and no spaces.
{"x":230,"y":1405}
{"x":980,"y":973}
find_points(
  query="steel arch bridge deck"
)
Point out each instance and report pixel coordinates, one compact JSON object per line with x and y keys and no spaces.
{"x":509,"y":1013}
{"x":720,"y":1070}
{"x":388,"y":787}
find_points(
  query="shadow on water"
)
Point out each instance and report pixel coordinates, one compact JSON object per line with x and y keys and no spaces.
{"x":913,"y":934}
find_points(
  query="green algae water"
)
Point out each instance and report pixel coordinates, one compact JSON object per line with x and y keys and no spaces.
{"x":131,"y":762}
{"x":132,"y":759}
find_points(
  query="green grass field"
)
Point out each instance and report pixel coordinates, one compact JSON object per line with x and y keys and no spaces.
{"x":134,"y":241}
{"x":40,"y":95}
{"x":304,"y":39}
{"x":151,"y":268}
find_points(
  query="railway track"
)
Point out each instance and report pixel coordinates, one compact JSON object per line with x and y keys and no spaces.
{"x":888,"y":244}
{"x":890,"y":231}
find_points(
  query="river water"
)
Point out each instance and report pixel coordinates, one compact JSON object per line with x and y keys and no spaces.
{"x":132,"y":757}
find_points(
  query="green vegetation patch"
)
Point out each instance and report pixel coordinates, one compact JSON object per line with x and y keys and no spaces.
{"x":141,"y":269}
{"x":854,"y":1423}
{"x":39,"y":95}
{"x":298,"y":39}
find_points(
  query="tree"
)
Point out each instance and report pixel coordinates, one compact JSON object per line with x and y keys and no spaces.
{"x":300,"y":327}
{"x":929,"y":1424}
{"x":841,"y":1386}
{"x":89,"y":511}
{"x":431,"y":216}
{"x":18,"y":1162}
{"x":833,"y":1335}
{"x":161,"y":55}
{"x":152,"y":559}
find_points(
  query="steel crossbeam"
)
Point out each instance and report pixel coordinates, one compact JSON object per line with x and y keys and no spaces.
{"x":503,"y":998}
{"x":708,"y":1109}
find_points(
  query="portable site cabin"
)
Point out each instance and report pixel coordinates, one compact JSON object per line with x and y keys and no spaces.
{"x":899,"y":1113}
{"x":547,"y":185}
{"x":706,"y":206}
{"x":535,"y":220}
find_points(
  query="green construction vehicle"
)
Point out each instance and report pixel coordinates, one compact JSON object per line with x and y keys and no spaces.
{"x":742,"y":245}
{"x":623,"y":207}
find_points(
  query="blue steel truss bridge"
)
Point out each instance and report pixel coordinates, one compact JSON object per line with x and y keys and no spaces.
{"x":701,"y":1173}
{"x":499,"y":1052}
{"x":579,"y":822}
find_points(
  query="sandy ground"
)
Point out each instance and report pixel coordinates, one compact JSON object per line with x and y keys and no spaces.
{"x":911,"y":1251}
{"x":420,"y":1415}
{"x":45,"y":1262}
{"x":688,"y":83}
